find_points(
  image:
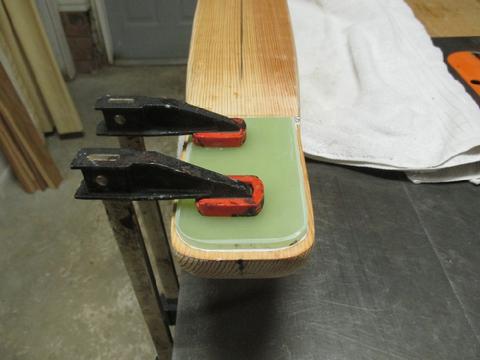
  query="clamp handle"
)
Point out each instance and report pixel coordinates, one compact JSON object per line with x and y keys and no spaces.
{"x":132,"y":175}
{"x":127,"y":174}
{"x":148,"y":116}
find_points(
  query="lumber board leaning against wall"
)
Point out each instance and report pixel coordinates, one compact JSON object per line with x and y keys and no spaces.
{"x":17,"y":162}
{"x":21,"y":73}
{"x":21,"y":142}
{"x":33,"y":41}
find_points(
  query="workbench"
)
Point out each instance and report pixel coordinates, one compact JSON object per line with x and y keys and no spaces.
{"x":394,"y":275}
{"x":394,"y":272}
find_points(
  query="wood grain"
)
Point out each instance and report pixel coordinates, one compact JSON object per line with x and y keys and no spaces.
{"x":22,"y":74}
{"x":34,"y":43}
{"x":242,"y":63}
{"x":444,"y":18}
{"x":17,"y":162}
{"x":242,"y":59}
{"x":22,"y":139}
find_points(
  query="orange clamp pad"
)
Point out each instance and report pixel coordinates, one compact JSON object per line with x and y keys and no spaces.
{"x":250,"y":206}
{"x":222,"y":139}
{"x":467,"y":65}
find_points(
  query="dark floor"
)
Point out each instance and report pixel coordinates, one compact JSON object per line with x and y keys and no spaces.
{"x":394,"y":275}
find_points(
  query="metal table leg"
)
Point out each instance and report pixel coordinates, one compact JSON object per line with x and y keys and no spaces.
{"x":126,"y":229}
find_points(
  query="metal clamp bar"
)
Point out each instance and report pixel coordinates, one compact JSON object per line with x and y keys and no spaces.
{"x":147,"y":116}
{"x":126,"y":229}
{"x":127,"y":174}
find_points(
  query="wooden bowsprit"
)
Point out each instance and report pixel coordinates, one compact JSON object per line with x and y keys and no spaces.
{"x":242,"y":64}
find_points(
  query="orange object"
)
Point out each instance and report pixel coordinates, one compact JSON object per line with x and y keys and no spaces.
{"x":467,"y":65}
{"x":222,"y":139}
{"x":250,"y":206}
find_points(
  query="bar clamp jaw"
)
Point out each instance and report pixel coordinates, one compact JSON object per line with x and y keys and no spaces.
{"x":147,"y":116}
{"x":132,"y":175}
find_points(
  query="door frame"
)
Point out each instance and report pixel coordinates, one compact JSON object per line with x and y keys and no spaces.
{"x":50,"y":18}
{"x":100,"y":17}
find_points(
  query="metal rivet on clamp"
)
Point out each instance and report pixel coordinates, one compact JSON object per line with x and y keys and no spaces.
{"x":101,"y":180}
{"x":120,"y":119}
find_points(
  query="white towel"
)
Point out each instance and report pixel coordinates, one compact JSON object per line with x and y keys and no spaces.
{"x":375,"y":92}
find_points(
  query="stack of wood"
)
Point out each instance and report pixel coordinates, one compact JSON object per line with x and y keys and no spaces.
{"x":21,"y":142}
{"x":34,"y":98}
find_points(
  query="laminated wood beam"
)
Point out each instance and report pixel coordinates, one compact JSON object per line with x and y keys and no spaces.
{"x":242,"y":63}
{"x":242,"y":59}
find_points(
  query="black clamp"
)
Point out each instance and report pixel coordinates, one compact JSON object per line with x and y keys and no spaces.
{"x":127,"y":174}
{"x":147,"y":116}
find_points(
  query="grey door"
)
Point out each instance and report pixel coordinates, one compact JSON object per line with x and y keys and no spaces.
{"x":150,"y":31}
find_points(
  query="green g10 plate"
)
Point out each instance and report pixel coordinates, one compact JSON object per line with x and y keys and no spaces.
{"x":270,"y":152}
